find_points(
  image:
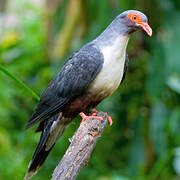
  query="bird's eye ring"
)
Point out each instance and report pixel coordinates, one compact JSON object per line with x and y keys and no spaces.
{"x":134,"y":17}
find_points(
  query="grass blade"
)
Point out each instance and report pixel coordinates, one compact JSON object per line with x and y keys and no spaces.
{"x":20,"y":83}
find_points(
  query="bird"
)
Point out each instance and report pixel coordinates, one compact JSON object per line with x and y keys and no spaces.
{"x":89,"y":75}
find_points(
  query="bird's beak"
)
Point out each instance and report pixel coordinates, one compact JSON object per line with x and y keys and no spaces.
{"x":146,"y":28}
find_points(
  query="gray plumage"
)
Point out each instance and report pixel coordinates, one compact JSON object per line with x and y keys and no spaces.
{"x":89,"y":75}
{"x":74,"y":78}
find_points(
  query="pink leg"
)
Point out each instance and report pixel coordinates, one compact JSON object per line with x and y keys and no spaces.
{"x":84,"y":117}
{"x":109,"y":119}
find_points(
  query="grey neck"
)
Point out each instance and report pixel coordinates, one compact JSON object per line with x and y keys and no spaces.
{"x":111,"y":33}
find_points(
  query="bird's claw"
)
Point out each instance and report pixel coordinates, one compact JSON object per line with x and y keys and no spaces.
{"x":109,"y":119}
{"x":84,"y":117}
{"x":94,"y":115}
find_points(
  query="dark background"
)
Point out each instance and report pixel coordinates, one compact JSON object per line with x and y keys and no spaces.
{"x":36,"y":37}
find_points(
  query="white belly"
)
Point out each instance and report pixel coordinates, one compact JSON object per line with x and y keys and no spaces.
{"x":111,"y":74}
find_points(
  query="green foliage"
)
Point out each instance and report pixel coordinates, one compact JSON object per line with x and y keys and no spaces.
{"x":144,"y":141}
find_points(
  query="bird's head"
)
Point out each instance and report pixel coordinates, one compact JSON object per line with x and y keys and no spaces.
{"x":134,"y":20}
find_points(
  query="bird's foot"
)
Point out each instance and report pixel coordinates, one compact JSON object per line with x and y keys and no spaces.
{"x":109,"y":119}
{"x":84,"y":117}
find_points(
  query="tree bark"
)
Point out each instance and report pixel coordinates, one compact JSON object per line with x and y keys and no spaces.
{"x":79,"y":151}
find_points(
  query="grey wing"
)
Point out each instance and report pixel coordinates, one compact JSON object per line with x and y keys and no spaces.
{"x":125,"y":67}
{"x":75,"y":77}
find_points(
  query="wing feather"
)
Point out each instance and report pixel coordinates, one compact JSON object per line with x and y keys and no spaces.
{"x":75,"y":77}
{"x":125,"y":67}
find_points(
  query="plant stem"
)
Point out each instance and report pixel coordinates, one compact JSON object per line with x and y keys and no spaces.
{"x":24,"y":86}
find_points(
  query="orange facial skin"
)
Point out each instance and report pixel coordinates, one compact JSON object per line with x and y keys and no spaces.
{"x":136,"y":18}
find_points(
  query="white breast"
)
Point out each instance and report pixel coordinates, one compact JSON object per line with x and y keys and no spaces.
{"x":111,"y":74}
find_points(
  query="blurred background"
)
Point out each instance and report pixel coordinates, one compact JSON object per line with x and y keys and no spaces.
{"x":37,"y":36}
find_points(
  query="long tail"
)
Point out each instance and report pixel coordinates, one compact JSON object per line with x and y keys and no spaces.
{"x":52,"y":131}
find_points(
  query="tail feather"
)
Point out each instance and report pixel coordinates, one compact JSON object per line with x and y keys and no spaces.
{"x":51,"y":132}
{"x":36,"y":164}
